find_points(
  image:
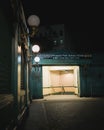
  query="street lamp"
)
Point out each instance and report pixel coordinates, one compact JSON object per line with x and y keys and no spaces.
{"x":33,"y":22}
{"x":36,"y":49}
{"x":37,"y":59}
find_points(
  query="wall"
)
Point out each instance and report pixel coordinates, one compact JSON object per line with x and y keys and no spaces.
{"x":13,"y":92}
{"x":6,"y":95}
{"x":5,"y":53}
{"x":95,"y":80}
{"x":46,"y":77}
{"x":92,"y":75}
{"x":67,"y":78}
{"x":36,"y":82}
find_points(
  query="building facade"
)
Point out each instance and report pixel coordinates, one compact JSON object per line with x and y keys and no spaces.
{"x":14,"y":68}
{"x":59,"y":71}
{"x":85,"y":77}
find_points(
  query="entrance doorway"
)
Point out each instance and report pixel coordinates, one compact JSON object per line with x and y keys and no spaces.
{"x":60,"y":80}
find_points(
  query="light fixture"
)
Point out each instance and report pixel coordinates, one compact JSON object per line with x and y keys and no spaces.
{"x":35,"y":48}
{"x":33,"y":22}
{"x":37,"y":59}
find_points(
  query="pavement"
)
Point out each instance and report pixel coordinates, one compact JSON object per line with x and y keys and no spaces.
{"x":66,"y":112}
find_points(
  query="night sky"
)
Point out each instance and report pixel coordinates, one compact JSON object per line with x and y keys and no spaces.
{"x":83,"y":20}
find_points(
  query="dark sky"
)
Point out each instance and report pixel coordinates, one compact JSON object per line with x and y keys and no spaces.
{"x":83,"y":20}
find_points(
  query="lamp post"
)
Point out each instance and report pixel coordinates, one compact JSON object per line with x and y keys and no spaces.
{"x":33,"y":22}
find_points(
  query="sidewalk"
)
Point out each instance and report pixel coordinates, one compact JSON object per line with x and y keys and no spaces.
{"x":62,"y":112}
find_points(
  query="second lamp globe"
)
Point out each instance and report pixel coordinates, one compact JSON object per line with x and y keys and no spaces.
{"x":35,"y":48}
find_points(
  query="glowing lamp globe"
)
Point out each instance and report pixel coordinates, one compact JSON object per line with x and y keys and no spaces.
{"x":35,"y":48}
{"x":37,"y":59}
{"x":33,"y":20}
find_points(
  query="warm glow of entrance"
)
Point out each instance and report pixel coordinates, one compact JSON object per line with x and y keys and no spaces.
{"x":60,"y":79}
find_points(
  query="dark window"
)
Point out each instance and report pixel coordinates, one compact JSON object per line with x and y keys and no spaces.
{"x":61,"y":33}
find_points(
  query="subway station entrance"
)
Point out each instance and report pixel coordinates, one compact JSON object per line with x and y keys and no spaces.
{"x":60,"y":80}
{"x":60,"y":74}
